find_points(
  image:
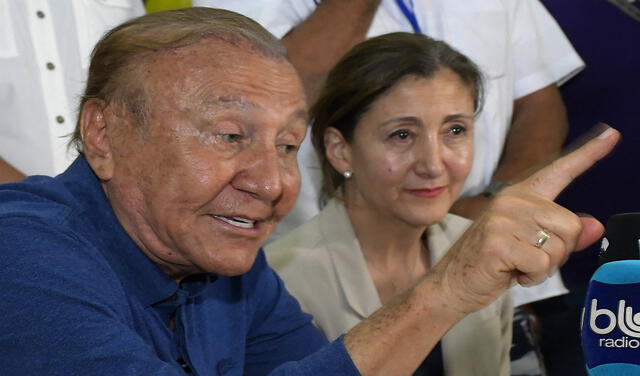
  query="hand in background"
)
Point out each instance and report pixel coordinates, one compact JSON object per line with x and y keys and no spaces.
{"x":8,"y":173}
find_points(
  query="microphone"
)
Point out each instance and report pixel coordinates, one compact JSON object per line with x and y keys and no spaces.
{"x":610,"y":322}
{"x":621,"y":238}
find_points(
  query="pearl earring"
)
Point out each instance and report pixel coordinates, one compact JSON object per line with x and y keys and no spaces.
{"x":347,"y":174}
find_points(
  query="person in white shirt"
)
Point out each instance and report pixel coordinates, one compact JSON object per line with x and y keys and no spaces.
{"x":44,"y":56}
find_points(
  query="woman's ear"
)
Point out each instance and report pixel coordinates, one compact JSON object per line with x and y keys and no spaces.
{"x":95,"y":140}
{"x":337,"y":150}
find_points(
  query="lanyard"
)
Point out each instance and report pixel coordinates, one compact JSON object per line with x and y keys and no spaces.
{"x":409,"y":14}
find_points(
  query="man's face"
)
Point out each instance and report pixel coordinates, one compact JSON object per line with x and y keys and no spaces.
{"x":205,"y":185}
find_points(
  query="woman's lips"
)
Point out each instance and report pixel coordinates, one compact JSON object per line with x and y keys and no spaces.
{"x":427,"y":192}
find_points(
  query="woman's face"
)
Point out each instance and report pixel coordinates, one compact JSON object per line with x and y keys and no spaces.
{"x":412,"y":150}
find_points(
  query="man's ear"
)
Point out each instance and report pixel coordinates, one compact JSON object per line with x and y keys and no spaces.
{"x":338,"y":150}
{"x":95,"y":139}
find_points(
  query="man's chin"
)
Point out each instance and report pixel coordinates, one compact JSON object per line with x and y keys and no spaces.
{"x":237,"y":264}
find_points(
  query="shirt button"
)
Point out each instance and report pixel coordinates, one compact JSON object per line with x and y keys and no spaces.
{"x":40,"y":14}
{"x":50,"y":66}
{"x":185,"y":367}
{"x":225,"y":365}
{"x":60,"y":119}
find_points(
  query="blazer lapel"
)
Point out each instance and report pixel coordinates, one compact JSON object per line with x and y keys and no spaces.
{"x":348,"y":262}
{"x":443,"y":234}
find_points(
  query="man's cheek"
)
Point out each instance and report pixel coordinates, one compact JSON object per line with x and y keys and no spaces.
{"x":289,"y":196}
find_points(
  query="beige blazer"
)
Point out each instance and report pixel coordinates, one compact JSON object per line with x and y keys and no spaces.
{"x":323,"y":267}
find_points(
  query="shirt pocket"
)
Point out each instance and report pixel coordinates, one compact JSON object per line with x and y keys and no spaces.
{"x":95,"y":17}
{"x":483,"y":35}
{"x":8,"y":46}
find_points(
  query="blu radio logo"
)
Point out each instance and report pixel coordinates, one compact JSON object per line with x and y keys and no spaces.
{"x":611,"y":320}
{"x":604,"y":321}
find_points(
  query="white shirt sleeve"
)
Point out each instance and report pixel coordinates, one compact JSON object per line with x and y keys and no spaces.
{"x":552,"y":286}
{"x":44,"y":57}
{"x":277,"y":16}
{"x":558,"y":53}
{"x":542,"y":53}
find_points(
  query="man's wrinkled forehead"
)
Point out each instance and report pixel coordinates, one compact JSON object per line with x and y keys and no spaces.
{"x":213,"y":75}
{"x":245,"y":104}
{"x":219,"y":49}
{"x":213,"y":60}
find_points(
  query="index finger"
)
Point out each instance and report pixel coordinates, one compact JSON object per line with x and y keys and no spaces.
{"x":555,"y":177}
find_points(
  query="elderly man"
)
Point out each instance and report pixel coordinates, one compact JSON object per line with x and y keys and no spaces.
{"x":143,"y":257}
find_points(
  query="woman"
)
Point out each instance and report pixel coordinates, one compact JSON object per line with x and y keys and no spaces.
{"x":393,"y":128}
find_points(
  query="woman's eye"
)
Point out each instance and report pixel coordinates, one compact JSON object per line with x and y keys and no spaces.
{"x":401,"y":134}
{"x":457,"y":130}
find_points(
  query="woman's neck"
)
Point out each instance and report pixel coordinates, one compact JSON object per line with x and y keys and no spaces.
{"x":396,"y":255}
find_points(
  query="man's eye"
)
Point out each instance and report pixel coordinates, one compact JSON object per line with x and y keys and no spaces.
{"x":230,"y":137}
{"x":288,"y":149}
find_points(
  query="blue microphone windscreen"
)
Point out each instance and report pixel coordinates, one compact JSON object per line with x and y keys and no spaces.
{"x":611,"y":320}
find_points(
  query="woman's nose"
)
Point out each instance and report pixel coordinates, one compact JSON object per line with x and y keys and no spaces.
{"x":429,"y":161}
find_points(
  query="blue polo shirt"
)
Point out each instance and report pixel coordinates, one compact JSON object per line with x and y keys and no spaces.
{"x":78,"y":297}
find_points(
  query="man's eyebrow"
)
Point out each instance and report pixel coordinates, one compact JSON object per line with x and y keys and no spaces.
{"x":240,"y":103}
{"x":229,"y":101}
{"x":301,"y":115}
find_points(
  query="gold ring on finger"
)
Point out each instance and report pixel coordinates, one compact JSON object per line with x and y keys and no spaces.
{"x":542,"y":237}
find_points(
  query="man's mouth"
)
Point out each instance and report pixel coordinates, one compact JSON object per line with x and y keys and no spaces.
{"x":237,"y":221}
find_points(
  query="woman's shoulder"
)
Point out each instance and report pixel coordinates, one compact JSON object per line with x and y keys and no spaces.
{"x":307,"y":243}
{"x":443,"y":234}
{"x":300,"y":240}
{"x":455,"y":224}
{"x":300,"y":253}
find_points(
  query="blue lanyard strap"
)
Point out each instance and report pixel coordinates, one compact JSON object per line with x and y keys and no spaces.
{"x":410,"y":15}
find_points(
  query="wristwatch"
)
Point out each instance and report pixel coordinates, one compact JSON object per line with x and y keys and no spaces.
{"x":494,"y":187}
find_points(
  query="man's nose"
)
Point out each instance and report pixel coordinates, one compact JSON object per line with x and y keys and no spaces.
{"x":262,"y":175}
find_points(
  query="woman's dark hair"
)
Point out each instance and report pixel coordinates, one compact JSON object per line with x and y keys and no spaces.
{"x":369,"y":70}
